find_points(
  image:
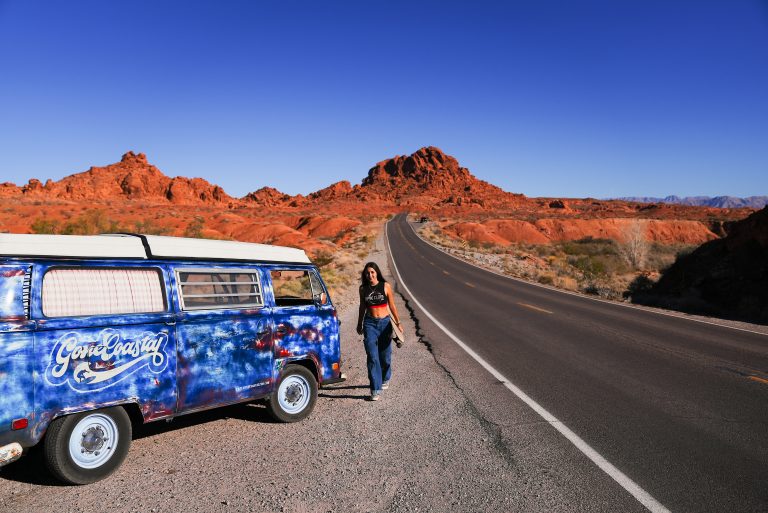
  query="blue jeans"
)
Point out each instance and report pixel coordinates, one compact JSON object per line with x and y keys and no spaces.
{"x":377,"y":337}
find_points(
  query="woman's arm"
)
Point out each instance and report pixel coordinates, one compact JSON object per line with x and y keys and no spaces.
{"x":391,"y":302}
{"x":360,"y":313}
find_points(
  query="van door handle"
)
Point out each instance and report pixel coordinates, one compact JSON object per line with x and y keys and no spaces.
{"x":281,"y":328}
{"x":170,"y":323}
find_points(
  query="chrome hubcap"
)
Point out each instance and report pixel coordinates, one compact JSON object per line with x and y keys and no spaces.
{"x":294,"y":394}
{"x":93,"y":440}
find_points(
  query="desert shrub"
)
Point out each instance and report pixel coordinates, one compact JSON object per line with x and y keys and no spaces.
{"x":588,"y":265}
{"x":542,"y":250}
{"x":634,"y":248}
{"x":642,"y":283}
{"x":43,"y":225}
{"x":661,"y":256}
{"x":602,"y":290}
{"x":91,"y":222}
{"x":589,"y":246}
{"x":323,"y":258}
{"x":546,"y":279}
{"x":149,"y":228}
{"x":195,"y":228}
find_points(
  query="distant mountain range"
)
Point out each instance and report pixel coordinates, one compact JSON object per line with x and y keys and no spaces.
{"x":706,"y":201}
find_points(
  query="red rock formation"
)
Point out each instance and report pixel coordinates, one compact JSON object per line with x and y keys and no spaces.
{"x":8,"y":189}
{"x":132,"y":178}
{"x":269,"y":197}
{"x":430,"y":171}
{"x":334,"y":191}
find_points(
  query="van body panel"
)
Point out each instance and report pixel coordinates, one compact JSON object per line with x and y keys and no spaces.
{"x":308,"y":334}
{"x":17,"y":397}
{"x":93,"y":361}
{"x":17,"y":393}
{"x":224,"y":356}
{"x":305,"y":332}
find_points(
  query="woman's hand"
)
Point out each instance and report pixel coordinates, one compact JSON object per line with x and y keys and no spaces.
{"x":359,"y":330}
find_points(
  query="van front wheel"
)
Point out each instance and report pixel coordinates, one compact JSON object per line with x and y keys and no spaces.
{"x":88,"y":446}
{"x":294,"y":396}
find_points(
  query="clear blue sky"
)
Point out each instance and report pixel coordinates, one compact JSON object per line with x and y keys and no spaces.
{"x":547,"y":98}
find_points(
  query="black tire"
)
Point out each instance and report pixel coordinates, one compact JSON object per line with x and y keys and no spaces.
{"x":99,"y":454}
{"x":294,"y":395}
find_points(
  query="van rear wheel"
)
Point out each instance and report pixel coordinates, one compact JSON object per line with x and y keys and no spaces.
{"x":294,"y":396}
{"x":88,"y":446}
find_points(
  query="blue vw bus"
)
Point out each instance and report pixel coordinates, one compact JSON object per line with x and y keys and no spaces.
{"x":100,"y":332}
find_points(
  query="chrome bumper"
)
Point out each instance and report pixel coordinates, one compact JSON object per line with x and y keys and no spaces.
{"x":10,"y":453}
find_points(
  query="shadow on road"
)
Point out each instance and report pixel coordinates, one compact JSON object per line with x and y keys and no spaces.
{"x":325,"y":393}
{"x":361,"y":397}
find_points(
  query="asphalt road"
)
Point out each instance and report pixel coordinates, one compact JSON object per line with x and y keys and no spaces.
{"x":679,"y":407}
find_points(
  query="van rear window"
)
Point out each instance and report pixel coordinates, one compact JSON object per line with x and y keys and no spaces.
{"x":219,"y":288}
{"x":73,"y":292}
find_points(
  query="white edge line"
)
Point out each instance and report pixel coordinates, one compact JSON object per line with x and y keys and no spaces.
{"x":576,"y":294}
{"x":617,"y":475}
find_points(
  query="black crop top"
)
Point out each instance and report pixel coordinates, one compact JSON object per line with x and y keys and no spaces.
{"x":375,"y":296}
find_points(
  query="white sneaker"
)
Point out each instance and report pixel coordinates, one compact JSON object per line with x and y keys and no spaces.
{"x":385,"y":385}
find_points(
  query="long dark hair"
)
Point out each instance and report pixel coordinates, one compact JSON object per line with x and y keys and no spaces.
{"x":375,"y":267}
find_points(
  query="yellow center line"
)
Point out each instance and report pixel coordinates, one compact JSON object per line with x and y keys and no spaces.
{"x":469,"y":284}
{"x":526,"y":305}
{"x":759,"y":380}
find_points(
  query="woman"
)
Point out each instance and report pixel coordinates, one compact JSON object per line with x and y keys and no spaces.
{"x":377,"y":303}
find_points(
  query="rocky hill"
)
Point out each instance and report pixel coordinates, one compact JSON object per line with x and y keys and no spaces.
{"x":133,"y":178}
{"x":432,"y":175}
{"x":724,"y":277}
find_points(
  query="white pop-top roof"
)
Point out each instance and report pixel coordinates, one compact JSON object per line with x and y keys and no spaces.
{"x":143,"y":246}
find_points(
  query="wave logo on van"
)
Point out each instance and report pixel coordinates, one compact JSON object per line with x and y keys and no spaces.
{"x":89,"y":365}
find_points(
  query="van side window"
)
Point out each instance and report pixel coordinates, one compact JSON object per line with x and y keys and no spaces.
{"x":208,"y":289}
{"x":291,"y":287}
{"x":72,"y":292}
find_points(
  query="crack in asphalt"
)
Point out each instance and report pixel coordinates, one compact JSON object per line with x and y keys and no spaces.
{"x":492,"y":429}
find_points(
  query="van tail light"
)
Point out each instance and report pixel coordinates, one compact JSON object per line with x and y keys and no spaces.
{"x":333,"y":313}
{"x":19,"y":424}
